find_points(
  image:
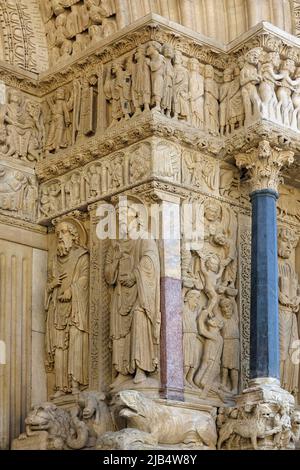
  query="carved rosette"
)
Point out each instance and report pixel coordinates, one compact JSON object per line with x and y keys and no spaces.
{"x":264,"y":165}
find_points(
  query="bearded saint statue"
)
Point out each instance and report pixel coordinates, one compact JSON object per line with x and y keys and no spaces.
{"x":67,"y":297}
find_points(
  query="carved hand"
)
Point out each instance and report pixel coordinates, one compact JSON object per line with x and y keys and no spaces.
{"x":128,"y":281}
{"x":66,"y":296}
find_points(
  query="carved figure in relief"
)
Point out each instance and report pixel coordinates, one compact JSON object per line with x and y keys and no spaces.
{"x":13,"y":112}
{"x":49,"y":202}
{"x":220,"y":231}
{"x":115,"y":171}
{"x":284,"y":110}
{"x":196,"y":93}
{"x":58,"y":134}
{"x":266,"y":87}
{"x":211,"y":103}
{"x":67,"y":310}
{"x":117,"y":90}
{"x":249,"y":79}
{"x":140,"y":163}
{"x":224,"y":101}
{"x":85,"y":107}
{"x":192,"y":345}
{"x":199,"y":171}
{"x":93,"y":180}
{"x":31,"y":196}
{"x":157,"y":67}
{"x":296,"y":101}
{"x":141,"y":81}
{"x":211,"y":269}
{"x":180,"y":88}
{"x":289,"y":301}
{"x":24,"y":128}
{"x":229,"y":181}
{"x":231,"y":344}
{"x":235,"y":112}
{"x":166,"y":161}
{"x":12,"y":190}
{"x":133,"y":272}
{"x":208,"y":374}
{"x":73,"y":189}
{"x":167,"y":96}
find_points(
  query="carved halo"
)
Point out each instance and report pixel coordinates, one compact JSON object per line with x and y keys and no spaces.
{"x":83,"y":238}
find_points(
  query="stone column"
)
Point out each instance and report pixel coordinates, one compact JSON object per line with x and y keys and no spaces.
{"x":264,"y":165}
{"x":265,"y":394}
{"x":171,"y":349}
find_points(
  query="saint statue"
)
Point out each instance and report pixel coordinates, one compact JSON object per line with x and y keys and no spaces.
{"x":132,"y":270}
{"x":67,"y":336}
{"x":289,"y":301}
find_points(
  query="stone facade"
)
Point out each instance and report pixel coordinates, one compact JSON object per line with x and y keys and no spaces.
{"x":129,"y":146}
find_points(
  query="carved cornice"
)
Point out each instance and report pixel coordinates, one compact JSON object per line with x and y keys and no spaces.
{"x":123,"y":135}
{"x":264,"y":165}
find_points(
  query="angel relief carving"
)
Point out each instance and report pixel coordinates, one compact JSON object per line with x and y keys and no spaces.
{"x":132,"y":270}
{"x":211,"y":323}
{"x":59,"y":109}
{"x":199,"y":171}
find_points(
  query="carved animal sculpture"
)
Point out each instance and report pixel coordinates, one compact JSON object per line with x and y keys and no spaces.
{"x":63,"y":430}
{"x":167,"y":425}
{"x":94,"y":411}
{"x":253,"y":427}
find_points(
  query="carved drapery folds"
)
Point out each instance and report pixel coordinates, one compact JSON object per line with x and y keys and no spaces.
{"x":289,"y":302}
{"x":67,"y":309}
{"x":22,"y":126}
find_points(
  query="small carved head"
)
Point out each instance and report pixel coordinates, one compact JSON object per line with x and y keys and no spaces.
{"x":192,"y":299}
{"x":168,"y":51}
{"x":264,"y":149}
{"x":212,"y":211}
{"x":153,"y":48}
{"x":289,"y":65}
{"x":253,"y":56}
{"x":287,"y":240}
{"x":67,"y":236}
{"x":209,"y":71}
{"x":60,"y":94}
{"x":193,"y":65}
{"x":178,"y":59}
{"x":226,"y":307}
{"x":212,"y":263}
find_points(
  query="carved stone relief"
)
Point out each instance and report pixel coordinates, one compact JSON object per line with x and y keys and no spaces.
{"x":132,"y":270}
{"x":73,"y":26}
{"x":289,"y":301}
{"x":18,"y":193}
{"x":22,"y":127}
{"x":258,"y":426}
{"x":67,"y":307}
{"x":211,"y":322}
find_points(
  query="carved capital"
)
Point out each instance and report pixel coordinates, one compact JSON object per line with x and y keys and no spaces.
{"x":264,"y":164}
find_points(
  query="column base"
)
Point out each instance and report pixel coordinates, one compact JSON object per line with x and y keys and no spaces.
{"x":264,"y":418}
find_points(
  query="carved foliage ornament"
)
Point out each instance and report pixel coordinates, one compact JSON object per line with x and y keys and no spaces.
{"x":264,"y":164}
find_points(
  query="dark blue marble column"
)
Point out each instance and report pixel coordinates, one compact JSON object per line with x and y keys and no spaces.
{"x":264,"y":338}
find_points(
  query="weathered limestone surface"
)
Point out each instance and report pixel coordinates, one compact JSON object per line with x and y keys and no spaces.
{"x":156,"y":128}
